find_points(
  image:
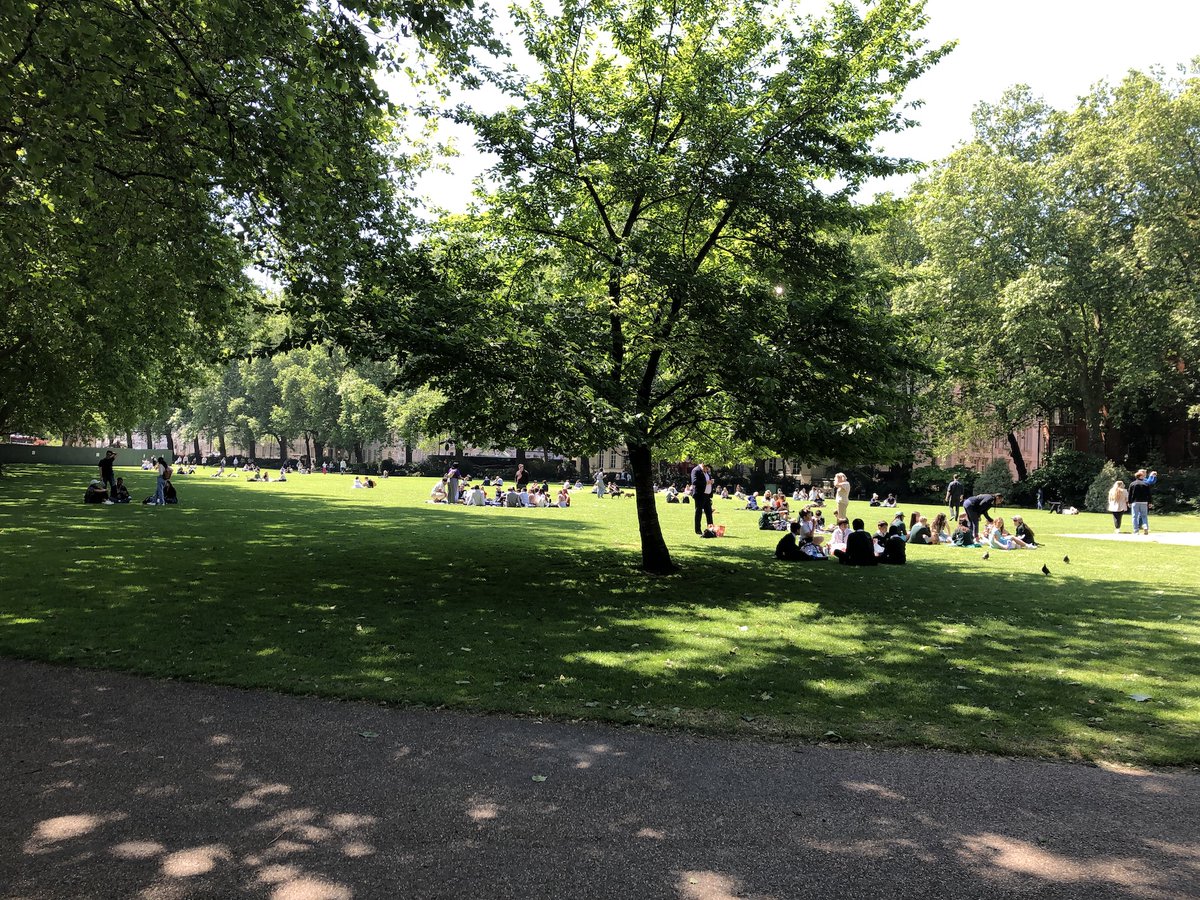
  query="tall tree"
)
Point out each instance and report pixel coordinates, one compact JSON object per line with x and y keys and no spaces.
{"x":1046,"y":272}
{"x":151,"y":149}
{"x":664,"y":249}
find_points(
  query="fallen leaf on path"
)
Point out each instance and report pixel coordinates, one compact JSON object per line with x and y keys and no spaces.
{"x":539,"y":778}
{"x":369,"y":734}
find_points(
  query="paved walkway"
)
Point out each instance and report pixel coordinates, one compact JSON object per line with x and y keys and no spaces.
{"x":113,"y":786}
{"x":1181,"y":538}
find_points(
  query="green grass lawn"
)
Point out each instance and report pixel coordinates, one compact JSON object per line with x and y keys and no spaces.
{"x":311,"y":587}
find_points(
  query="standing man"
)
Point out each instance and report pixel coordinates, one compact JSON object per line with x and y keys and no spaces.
{"x":106,"y":474}
{"x":601,"y":488}
{"x":702,"y":485}
{"x":978,"y":506}
{"x":1139,"y":502}
{"x":955,"y":491}
{"x":841,"y":491}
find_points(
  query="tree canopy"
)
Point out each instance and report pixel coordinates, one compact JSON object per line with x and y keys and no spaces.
{"x":664,"y":251}
{"x":151,"y":149}
{"x":1057,"y":263}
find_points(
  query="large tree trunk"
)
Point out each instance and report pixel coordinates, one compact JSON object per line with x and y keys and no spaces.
{"x":318,"y":450}
{"x":1017,"y":457}
{"x":308,"y":458}
{"x":149,"y":437}
{"x":196,"y":448}
{"x":221,"y":443}
{"x":358,"y":452}
{"x":170,"y":443}
{"x":128,"y":440}
{"x":250,"y":450}
{"x":656,"y":558}
{"x":284,"y":449}
{"x":585,"y":466}
{"x":407,"y":453}
{"x":520,"y":454}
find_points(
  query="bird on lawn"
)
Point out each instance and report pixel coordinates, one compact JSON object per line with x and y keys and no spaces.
{"x":987,"y":555}
{"x":1045,"y":570}
{"x":1066,"y":559}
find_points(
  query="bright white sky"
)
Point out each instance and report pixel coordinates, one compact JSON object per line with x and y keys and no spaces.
{"x":1058,"y":47}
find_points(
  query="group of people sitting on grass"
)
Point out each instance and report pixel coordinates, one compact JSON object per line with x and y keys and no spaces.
{"x":452,"y":488}
{"x":806,"y":538}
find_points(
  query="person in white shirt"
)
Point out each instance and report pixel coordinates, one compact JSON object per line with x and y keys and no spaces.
{"x":357,"y":483}
{"x":475,"y":497}
{"x":524,"y":495}
{"x":841,"y":531}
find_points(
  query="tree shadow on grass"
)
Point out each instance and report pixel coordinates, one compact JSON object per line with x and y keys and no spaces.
{"x":526,"y":611}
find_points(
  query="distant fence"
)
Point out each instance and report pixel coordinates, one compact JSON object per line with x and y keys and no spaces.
{"x":69,"y":456}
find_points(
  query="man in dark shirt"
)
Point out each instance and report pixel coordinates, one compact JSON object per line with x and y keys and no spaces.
{"x":955,"y":491}
{"x":106,"y":474}
{"x":978,"y":506}
{"x":1139,"y":502}
{"x":860,"y":548}
{"x":702,"y":485}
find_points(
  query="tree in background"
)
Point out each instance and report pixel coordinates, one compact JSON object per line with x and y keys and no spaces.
{"x":1057,"y":271}
{"x":666,"y":169}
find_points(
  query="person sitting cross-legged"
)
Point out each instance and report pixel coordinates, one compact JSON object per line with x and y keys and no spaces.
{"x":860,"y":547}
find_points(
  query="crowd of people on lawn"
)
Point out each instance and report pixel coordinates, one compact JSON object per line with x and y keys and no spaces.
{"x":523,"y":491}
{"x":806,"y":535}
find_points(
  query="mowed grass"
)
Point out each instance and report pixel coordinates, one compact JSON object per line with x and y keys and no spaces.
{"x":311,"y":587}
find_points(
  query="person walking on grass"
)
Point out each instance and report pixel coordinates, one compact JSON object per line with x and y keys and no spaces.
{"x":1118,"y":504}
{"x":106,"y":474}
{"x":1139,"y":502}
{"x":955,"y":491}
{"x":702,"y":485}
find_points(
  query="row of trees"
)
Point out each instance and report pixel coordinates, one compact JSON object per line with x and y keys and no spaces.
{"x":311,"y":401}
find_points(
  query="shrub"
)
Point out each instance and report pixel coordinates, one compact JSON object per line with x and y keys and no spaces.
{"x":996,"y":478}
{"x":1065,"y":474}
{"x":1097,"y":494}
{"x":1178,"y":491}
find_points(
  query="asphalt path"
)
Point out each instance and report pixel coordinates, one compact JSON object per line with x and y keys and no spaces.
{"x":124,"y":787}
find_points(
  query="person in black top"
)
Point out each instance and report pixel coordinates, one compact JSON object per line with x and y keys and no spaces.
{"x":702,"y":485}
{"x":978,"y":506}
{"x":955,"y":491}
{"x":522,"y":477}
{"x":106,"y":474}
{"x":1139,"y":501}
{"x":787,"y":548}
{"x":860,"y":548}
